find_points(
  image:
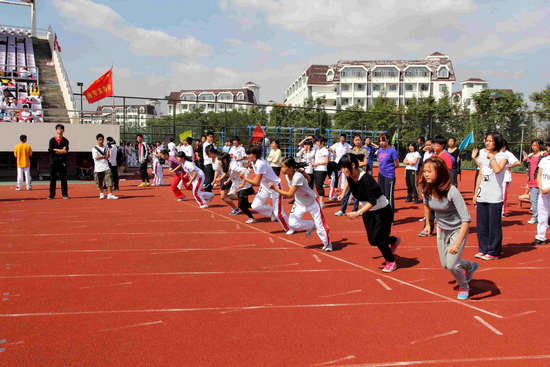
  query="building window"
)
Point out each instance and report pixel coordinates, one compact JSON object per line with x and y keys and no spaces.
{"x":393,"y":87}
{"x":225,"y":97}
{"x":192,"y":107}
{"x":345,"y":87}
{"x":188,"y":97}
{"x":211,"y":106}
{"x":119,"y":110}
{"x":345,"y":101}
{"x":417,"y":72}
{"x":442,"y":87}
{"x":142,"y":110}
{"x":443,"y":73}
{"x":359,"y":102}
{"x":424,"y":87}
{"x":107,"y":109}
{"x":184,"y":106}
{"x":207,"y":97}
{"x":131,"y":110}
{"x":389,"y":72}
{"x":240,"y":96}
{"x":360,"y":87}
{"x":354,"y":72}
{"x":409,"y":87}
{"x":376,"y":87}
{"x":330,"y":75}
{"x":467,"y":102}
{"x":229,"y":106}
{"x":469,"y":85}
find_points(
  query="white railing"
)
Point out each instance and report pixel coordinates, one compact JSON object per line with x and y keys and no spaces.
{"x":63,"y":79}
{"x":36,"y":115}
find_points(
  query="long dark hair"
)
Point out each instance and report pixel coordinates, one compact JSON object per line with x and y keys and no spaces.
{"x":443,"y":183}
{"x":347,"y":160}
{"x":225,"y":160}
{"x":291,"y":162}
{"x":182,"y":155}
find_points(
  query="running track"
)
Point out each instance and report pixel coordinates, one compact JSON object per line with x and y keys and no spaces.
{"x":147,"y":280}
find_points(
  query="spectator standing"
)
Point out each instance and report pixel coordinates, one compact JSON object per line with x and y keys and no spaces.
{"x":455,"y":153}
{"x":113,"y":161}
{"x":172,"y":148}
{"x":439,"y":144}
{"x":512,"y":162}
{"x":361,"y":155}
{"x":102,"y":172}
{"x":237,"y":151}
{"x":339,"y":150}
{"x":388,"y":161}
{"x":371,"y":148}
{"x":543,"y":178}
{"x":275,"y":157}
{"x":208,"y":170}
{"x":412,"y":160}
{"x":533,"y":167}
{"x":23,"y":153}
{"x":142,"y":159}
{"x":58,"y":149}
{"x":320,"y":169}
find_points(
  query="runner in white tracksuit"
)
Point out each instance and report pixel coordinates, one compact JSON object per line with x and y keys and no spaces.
{"x":157,"y":167}
{"x":265,"y":176}
{"x":338,"y":149}
{"x":305,"y":201}
{"x":186,"y":148}
{"x":543,"y":180}
{"x":196,"y":178}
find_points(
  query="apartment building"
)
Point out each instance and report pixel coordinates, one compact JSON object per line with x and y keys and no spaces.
{"x":469,"y":88}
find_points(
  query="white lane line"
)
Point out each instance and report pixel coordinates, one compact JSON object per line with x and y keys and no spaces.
{"x":238,"y":246}
{"x":338,"y":360}
{"x":168,"y":252}
{"x":383,"y":284}
{"x":271,"y":239}
{"x":117,"y":233}
{"x":487,"y":325}
{"x":434,"y":337}
{"x":419,"y":280}
{"x":107,"y":285}
{"x":278,"y":266}
{"x":142,"y":250}
{"x":130,"y":326}
{"x":341,"y":294}
{"x":317,"y":258}
{"x":449,"y":361}
{"x":530,"y":262}
{"x":16,"y":343}
{"x":455,"y":301}
{"x":95,"y":258}
{"x":520,"y":314}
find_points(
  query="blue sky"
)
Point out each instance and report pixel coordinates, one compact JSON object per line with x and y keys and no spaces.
{"x":163,"y":46}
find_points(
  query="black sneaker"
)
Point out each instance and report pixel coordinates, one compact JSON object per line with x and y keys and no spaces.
{"x":50,"y":197}
{"x":417,"y":201}
{"x":408,"y":201}
{"x":537,"y":242}
{"x":66,"y":197}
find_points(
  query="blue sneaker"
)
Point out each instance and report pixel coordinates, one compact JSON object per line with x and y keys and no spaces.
{"x":463,"y":293}
{"x":470,"y":274}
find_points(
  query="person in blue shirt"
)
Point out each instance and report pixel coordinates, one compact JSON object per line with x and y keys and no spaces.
{"x":371,"y":148}
{"x":388,"y":161}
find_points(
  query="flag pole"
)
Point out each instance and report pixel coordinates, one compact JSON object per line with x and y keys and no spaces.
{"x":113,"y":89}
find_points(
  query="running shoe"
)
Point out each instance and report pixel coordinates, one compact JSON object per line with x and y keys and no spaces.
{"x":463,"y":293}
{"x":390,"y":266}
{"x":147,"y":184}
{"x":291,"y":231}
{"x":273,"y":218}
{"x":66,"y":197}
{"x":101,"y":196}
{"x":205,"y":206}
{"x":340,"y":213}
{"x":17,"y":189}
{"x":422,"y":234}
{"x":141,"y":184}
{"x":328,"y":248}
{"x":112,"y":197}
{"x":323,"y":205}
{"x":235,"y":211}
{"x":250,"y":221}
{"x":470,"y":274}
{"x":393,"y":247}
{"x":183,"y":198}
{"x":408,"y":200}
{"x":532,"y":221}
{"x":417,"y":201}
{"x":29,"y":188}
{"x":479,"y":255}
{"x":422,"y":219}
{"x":209,"y":200}
{"x":309,"y":232}
{"x":490,"y":257}
{"x":332,"y":199}
{"x":50,"y":197}
{"x":537,"y":242}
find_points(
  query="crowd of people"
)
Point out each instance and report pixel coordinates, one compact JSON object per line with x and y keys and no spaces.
{"x":431,"y":169}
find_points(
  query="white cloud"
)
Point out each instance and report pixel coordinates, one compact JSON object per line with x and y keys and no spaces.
{"x":528,"y":44}
{"x":142,"y":41}
{"x":491,"y":43}
{"x":290,"y":52}
{"x":259,"y":45}
{"x":232,"y":41}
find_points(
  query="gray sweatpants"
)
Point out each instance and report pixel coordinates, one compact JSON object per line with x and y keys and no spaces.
{"x":445,"y":239}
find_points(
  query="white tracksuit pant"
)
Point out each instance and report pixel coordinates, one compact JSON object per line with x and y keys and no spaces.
{"x":318,"y":221}
{"x":261,"y":207}
{"x":202,"y":197}
{"x":24,"y":171}
{"x":157,"y":171}
{"x":332,"y":193}
{"x":544,"y":209}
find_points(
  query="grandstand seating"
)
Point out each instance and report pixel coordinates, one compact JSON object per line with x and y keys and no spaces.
{"x":19,"y":76}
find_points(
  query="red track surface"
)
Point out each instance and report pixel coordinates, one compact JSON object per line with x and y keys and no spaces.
{"x":147,"y":280}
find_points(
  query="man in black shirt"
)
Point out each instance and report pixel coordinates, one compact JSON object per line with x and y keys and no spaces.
{"x":58,"y":148}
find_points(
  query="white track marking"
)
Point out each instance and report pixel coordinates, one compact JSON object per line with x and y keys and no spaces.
{"x":169,"y":252}
{"x":530,"y":262}
{"x":130,"y":326}
{"x":455,"y":301}
{"x":434,"y":337}
{"x":271,"y":239}
{"x":16,"y":343}
{"x":278,"y":266}
{"x":317,"y":258}
{"x":338,"y":360}
{"x":142,"y":250}
{"x":520,"y":314}
{"x":108,"y":285}
{"x":487,"y":325}
{"x":419,"y":280}
{"x":450,"y":361}
{"x":238,"y":226}
{"x":383,"y":284}
{"x":230,"y":247}
{"x":95,"y":258}
{"x":341,"y":294}
{"x":118,"y":234}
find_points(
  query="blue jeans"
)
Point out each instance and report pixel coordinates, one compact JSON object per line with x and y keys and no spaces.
{"x":345,"y":202}
{"x":534,"y":198}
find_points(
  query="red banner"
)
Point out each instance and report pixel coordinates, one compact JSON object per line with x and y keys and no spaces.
{"x":257,"y":135}
{"x":56,"y":44}
{"x":101,"y":88}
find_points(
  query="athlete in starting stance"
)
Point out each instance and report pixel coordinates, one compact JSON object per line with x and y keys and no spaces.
{"x":196,"y":178}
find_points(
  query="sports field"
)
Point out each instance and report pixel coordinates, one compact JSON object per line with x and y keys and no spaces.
{"x":146,"y":280}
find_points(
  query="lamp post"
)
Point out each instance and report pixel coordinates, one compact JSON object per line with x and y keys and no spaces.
{"x":523,"y":126}
{"x":80,"y":85}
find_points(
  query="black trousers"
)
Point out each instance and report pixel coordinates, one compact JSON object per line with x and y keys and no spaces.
{"x":388,"y":187}
{"x":454,"y":176}
{"x":143,"y":172}
{"x":277,"y":170}
{"x":412,"y":191}
{"x":114,"y":171}
{"x":477,"y":174}
{"x":489,"y":228}
{"x":208,"y":177}
{"x":245,"y":206}
{"x":320,"y":177}
{"x":378,"y":226}
{"x":60,"y":168}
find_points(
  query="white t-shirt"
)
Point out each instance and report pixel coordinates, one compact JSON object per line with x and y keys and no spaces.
{"x":410,"y":157}
{"x":482,"y":154}
{"x":112,"y":157}
{"x":154,"y":156}
{"x":490,"y":189}
{"x":238,"y":153}
{"x":511,"y":160}
{"x":304,"y":195}
{"x":189,"y":167}
{"x":427,"y":155}
{"x":234,"y":172}
{"x":309,"y":158}
{"x":320,"y":156}
{"x":188,"y":150}
{"x":207,"y":160}
{"x":340,"y":149}
{"x":171,"y":149}
{"x":261,"y":167}
{"x":100,"y":165}
{"x":544,"y":168}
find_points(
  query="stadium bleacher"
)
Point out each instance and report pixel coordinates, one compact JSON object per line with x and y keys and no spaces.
{"x":19,"y":77}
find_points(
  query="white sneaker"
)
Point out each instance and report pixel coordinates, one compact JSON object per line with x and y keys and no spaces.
{"x":112,"y":197}
{"x":291,"y":231}
{"x":250,"y":221}
{"x":322,"y":205}
{"x":209,"y":200}
{"x":183,"y":198}
{"x":101,"y":196}
{"x":273,"y":218}
{"x":532,"y":221}
{"x":29,"y":188}
{"x":205,"y":206}
{"x":309,"y":232}
{"x":339,"y":213}
{"x":328,"y":248}
{"x":17,"y":189}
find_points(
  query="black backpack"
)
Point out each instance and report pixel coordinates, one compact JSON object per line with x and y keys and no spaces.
{"x":120,"y":157}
